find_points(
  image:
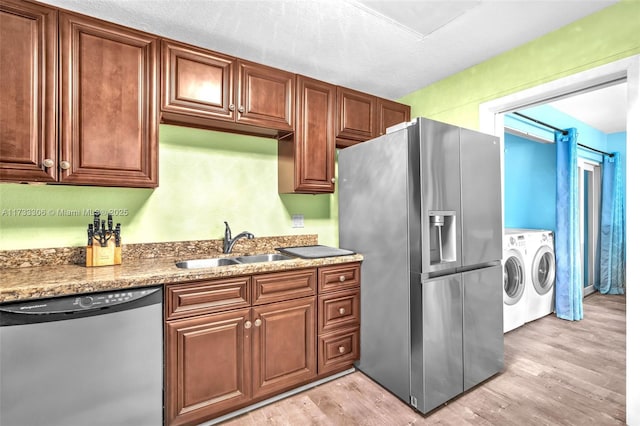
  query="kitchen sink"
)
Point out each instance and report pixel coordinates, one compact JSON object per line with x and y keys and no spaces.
{"x":272,"y":257}
{"x":206,"y":263}
{"x":227,"y":261}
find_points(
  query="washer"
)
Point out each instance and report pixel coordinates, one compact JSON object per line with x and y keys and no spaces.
{"x":541,"y":290}
{"x":515,"y":279}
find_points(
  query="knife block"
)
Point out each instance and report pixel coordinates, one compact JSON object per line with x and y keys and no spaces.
{"x":103,"y":256}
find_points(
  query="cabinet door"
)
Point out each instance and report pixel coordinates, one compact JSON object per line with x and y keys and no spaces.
{"x":284,"y":345}
{"x":391,"y":113}
{"x":307,"y":159}
{"x":28,"y":46}
{"x":109,"y":104}
{"x":356,"y":117}
{"x":265,"y":96}
{"x":197,"y":82}
{"x":208,"y":361}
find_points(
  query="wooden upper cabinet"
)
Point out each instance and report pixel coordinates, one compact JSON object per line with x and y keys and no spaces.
{"x":391,"y":113}
{"x":265,"y":96}
{"x":207,"y":89}
{"x":108,"y":116}
{"x":361,"y":116}
{"x":28,"y":79}
{"x":306,"y":159}
{"x":197,"y":82}
{"x":356,"y":117}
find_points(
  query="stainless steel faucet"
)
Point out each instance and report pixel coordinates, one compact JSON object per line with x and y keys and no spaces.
{"x":228,"y":242}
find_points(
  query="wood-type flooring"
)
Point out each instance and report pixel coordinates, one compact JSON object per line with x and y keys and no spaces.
{"x":556,"y":372}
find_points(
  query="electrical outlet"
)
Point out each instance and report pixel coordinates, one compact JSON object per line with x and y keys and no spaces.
{"x":298,"y":220}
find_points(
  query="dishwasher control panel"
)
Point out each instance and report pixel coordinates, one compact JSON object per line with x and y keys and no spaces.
{"x":78,"y":303}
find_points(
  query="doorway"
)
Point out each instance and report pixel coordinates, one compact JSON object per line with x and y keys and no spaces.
{"x":589,"y":187}
{"x":492,"y":122}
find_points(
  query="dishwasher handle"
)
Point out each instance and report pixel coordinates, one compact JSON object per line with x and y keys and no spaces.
{"x":77,"y":306}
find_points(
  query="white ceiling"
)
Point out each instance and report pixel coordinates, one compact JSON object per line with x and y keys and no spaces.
{"x":387,"y":48}
{"x":604,"y":109}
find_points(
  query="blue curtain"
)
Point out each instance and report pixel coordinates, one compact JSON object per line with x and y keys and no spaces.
{"x":567,"y":239}
{"x":612,"y":229}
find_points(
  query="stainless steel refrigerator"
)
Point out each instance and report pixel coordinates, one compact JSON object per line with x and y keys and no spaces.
{"x":423,"y":205}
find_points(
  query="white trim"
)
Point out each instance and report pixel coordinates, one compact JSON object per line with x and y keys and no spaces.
{"x":492,"y":122}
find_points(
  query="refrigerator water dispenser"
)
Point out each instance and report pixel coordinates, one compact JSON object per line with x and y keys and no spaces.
{"x":442,"y":235}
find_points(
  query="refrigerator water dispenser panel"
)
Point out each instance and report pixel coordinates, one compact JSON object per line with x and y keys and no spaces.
{"x":442,"y":236}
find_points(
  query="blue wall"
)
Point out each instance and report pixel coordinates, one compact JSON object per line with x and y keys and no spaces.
{"x":530,"y":167}
{"x":530,"y":183}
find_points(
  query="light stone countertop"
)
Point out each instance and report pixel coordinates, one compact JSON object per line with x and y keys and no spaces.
{"x":60,"y":280}
{"x":43,"y":273}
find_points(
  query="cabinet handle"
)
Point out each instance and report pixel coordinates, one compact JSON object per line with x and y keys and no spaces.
{"x":333,"y":180}
{"x":341,"y":349}
{"x":232,"y":107}
{"x":64,"y":165}
{"x":341,"y":311}
{"x":48,"y":162}
{"x":258,"y":322}
{"x":240,"y":108}
{"x":342,"y":278}
{"x":247,"y":324}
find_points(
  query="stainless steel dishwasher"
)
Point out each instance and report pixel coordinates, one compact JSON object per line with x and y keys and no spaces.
{"x":92,"y":359}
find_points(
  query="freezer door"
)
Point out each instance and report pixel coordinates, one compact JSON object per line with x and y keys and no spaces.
{"x":481,"y":198}
{"x":436,"y":351}
{"x":483,"y":337}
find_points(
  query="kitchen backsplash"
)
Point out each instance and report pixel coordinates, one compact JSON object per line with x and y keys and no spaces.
{"x":178,"y":250}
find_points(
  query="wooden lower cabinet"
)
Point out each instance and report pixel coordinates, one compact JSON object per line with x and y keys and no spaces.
{"x":338,"y":317}
{"x":284,"y":346}
{"x":229,"y":344}
{"x":208,"y":366}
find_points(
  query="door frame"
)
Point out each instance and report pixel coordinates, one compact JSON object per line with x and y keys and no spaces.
{"x":595,"y":168}
{"x":492,"y":122}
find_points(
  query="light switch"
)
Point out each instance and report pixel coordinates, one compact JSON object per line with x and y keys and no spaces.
{"x":298,"y":220}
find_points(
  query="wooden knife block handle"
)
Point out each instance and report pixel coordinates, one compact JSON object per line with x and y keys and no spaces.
{"x":104,"y":256}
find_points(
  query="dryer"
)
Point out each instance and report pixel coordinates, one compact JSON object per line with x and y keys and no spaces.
{"x":515,"y":279}
{"x":541,"y":288}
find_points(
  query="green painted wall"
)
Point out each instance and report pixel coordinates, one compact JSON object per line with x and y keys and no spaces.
{"x":606,"y":36}
{"x":206,"y":177}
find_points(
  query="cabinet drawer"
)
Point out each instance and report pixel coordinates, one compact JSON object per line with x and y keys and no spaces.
{"x":280,"y":286}
{"x":338,"y":277}
{"x":338,"y":350}
{"x":207,"y":296}
{"x":338,"y":309}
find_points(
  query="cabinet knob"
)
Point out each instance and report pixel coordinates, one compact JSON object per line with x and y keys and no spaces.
{"x":64,"y":165}
{"x":341,"y":311}
{"x":341,"y":349}
{"x":258,"y":322}
{"x":247,"y":324}
{"x":342,"y":278}
{"x":241,"y":108}
{"x":232,"y":107}
{"x":333,"y":180}
{"x":48,"y":162}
